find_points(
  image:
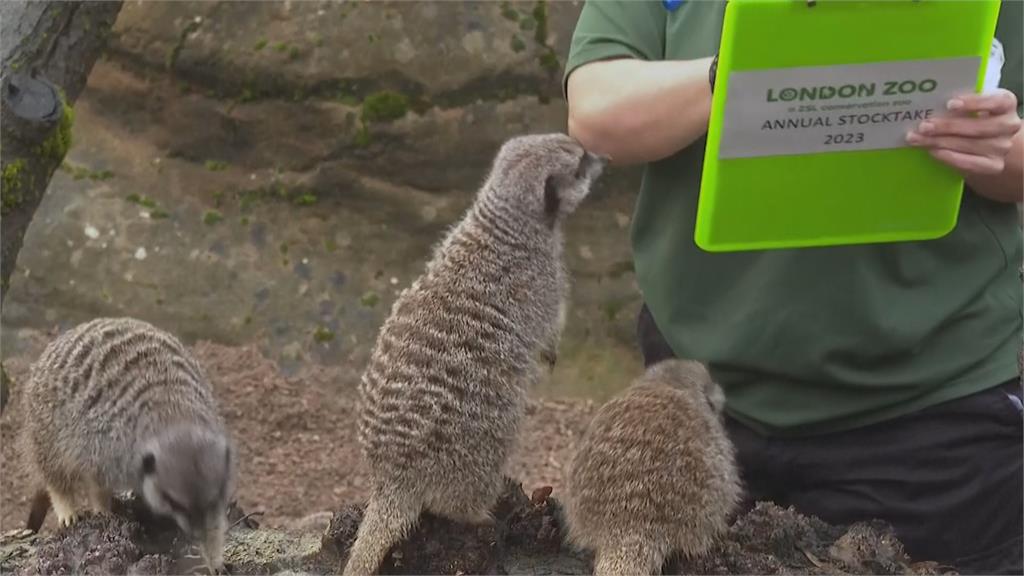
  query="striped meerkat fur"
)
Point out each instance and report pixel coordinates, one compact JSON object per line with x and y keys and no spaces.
{"x":654,"y":474}
{"x":444,"y":391}
{"x":116,"y":404}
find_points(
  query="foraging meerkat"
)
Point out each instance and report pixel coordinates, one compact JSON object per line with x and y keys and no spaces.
{"x":654,"y":473}
{"x":116,"y":404}
{"x":445,"y":388}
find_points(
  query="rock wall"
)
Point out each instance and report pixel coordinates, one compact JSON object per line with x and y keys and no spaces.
{"x":275,"y":172}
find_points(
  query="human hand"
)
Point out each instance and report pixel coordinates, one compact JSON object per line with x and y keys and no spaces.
{"x":976,"y":134}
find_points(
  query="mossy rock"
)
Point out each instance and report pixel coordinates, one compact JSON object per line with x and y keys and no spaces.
{"x":384,"y":106}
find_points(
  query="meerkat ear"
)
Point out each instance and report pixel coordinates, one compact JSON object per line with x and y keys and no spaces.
{"x":551,"y":200}
{"x":148,"y":464}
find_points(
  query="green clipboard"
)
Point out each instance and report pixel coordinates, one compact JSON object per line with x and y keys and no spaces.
{"x":805,"y":144}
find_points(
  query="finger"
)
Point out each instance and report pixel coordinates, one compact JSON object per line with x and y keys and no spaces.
{"x":968,"y":163}
{"x":992,"y":126}
{"x":975,"y":146}
{"x":997,"y":102}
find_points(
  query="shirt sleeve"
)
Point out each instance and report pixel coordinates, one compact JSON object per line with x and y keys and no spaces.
{"x":616,"y":29}
{"x":1009,"y":33}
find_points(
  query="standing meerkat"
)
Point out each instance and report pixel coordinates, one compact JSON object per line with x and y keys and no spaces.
{"x":116,"y":404}
{"x":445,"y":388}
{"x":655,"y":472}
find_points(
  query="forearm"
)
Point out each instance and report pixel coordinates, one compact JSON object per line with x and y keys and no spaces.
{"x":638,"y":111}
{"x":1008,"y":185}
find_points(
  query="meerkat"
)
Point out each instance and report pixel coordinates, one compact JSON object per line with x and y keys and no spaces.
{"x":445,"y":388}
{"x":655,"y":473}
{"x":116,"y":405}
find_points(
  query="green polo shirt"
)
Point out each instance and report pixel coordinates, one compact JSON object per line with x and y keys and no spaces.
{"x":814,"y":340}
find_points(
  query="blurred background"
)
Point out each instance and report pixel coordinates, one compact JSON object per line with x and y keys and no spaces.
{"x":262,"y":178}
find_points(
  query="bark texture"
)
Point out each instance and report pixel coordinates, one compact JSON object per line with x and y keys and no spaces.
{"x":47,"y":50}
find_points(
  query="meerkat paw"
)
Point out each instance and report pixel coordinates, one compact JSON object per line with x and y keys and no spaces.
{"x":67,"y":519}
{"x":63,"y":508}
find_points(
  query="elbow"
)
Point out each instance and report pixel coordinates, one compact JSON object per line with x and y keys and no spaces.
{"x":586,"y":130}
{"x":599,"y":129}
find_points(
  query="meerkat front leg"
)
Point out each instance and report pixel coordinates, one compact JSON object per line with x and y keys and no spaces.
{"x":101,"y":499}
{"x":63,"y":506}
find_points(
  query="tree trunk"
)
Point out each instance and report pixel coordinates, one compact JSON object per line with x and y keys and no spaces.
{"x":47,"y":50}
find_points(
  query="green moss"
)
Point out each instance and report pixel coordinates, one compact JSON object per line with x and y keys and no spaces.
{"x":158,"y":214}
{"x":142,"y":201}
{"x":323,"y":335}
{"x":611,"y":308}
{"x":244,"y":221}
{"x":175,"y":51}
{"x":371,"y":38}
{"x":284,"y":248}
{"x":517,"y":44}
{"x":218,"y":198}
{"x":13,"y":182}
{"x":280,"y":46}
{"x":248,"y":320}
{"x":330,"y":245}
{"x":57,"y":145}
{"x":508,"y":12}
{"x":215,"y":165}
{"x":540,"y":14}
{"x":549,"y":61}
{"x":369,"y":299}
{"x":348,"y":99}
{"x":212,"y":217}
{"x":260,"y":44}
{"x":527,"y":24}
{"x":316,"y":39}
{"x":362,"y":139}
{"x":620,"y":268}
{"x":81,"y":172}
{"x":294,"y":52}
{"x":384,"y":106}
{"x":305,"y":200}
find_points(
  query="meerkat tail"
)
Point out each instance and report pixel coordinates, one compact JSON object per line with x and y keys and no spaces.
{"x":629,"y":558}
{"x":387,"y":520}
{"x":37,"y":512}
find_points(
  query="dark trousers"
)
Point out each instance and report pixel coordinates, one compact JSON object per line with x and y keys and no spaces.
{"x":948,"y":478}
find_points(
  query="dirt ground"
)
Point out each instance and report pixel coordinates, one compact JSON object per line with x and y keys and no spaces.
{"x":298,"y":453}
